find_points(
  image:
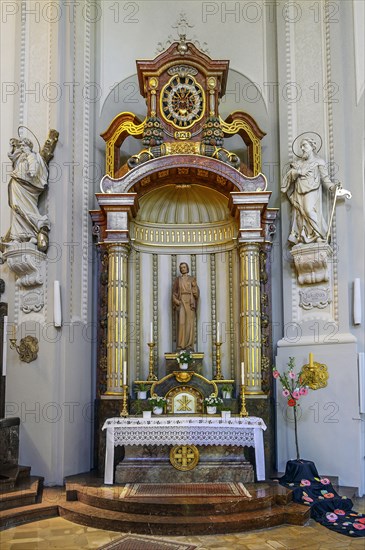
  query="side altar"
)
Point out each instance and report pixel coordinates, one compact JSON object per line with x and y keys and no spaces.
{"x":184,"y":235}
{"x":184,"y":433}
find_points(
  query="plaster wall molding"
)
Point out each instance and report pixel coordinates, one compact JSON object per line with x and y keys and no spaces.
{"x":331,"y":150}
{"x":86,"y":162}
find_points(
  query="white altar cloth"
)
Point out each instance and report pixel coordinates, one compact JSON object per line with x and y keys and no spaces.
{"x":183,"y":430}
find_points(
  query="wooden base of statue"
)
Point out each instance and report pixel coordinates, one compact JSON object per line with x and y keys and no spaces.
{"x":195,"y":366}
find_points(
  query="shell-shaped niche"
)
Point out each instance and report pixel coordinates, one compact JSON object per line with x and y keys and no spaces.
{"x":184,"y":216}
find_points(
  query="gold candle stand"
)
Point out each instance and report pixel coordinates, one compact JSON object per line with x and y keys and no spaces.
{"x":151,"y":374}
{"x":243,"y":411}
{"x":218,"y":374}
{"x":125,"y":401}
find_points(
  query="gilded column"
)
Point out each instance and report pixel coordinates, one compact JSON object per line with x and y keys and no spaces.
{"x":117,"y":348}
{"x":111,"y":225}
{"x":249,"y":208}
{"x":250,"y":315}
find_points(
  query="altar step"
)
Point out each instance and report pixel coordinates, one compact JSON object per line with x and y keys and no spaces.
{"x":11,"y":474}
{"x":102,"y":507}
{"x":84,"y":514}
{"x":18,"y":487}
{"x":20,"y":493}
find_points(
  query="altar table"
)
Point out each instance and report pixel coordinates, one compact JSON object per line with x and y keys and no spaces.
{"x":173,"y":430}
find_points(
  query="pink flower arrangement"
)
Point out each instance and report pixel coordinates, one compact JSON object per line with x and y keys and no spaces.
{"x":293,"y":389}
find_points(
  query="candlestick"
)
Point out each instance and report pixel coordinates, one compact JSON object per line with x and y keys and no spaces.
{"x":124,"y":411}
{"x":124,"y":373}
{"x":151,"y":332}
{"x":243,"y":373}
{"x":311,"y":360}
{"x":151,"y":374}
{"x":243,"y":411}
{"x":218,"y":333}
{"x":218,"y":374}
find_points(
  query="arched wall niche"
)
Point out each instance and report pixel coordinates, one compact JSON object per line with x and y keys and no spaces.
{"x":183,"y":223}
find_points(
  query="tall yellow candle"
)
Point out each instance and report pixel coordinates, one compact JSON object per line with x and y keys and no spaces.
{"x":311,"y":360}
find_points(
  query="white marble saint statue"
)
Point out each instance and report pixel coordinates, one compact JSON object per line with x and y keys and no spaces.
{"x":27,"y":182}
{"x":303,"y":185}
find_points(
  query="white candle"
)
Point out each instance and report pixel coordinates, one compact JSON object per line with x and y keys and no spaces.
{"x":218,"y":333}
{"x":57,"y":313}
{"x":151,"y":334}
{"x":124,"y":373}
{"x":357,"y":302}
{"x":242,"y":373}
{"x":5,"y":349}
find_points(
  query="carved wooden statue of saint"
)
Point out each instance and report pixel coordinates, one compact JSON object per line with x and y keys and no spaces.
{"x":185,"y":295}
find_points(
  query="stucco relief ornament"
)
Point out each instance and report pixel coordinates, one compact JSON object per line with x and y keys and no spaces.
{"x":304,"y":184}
{"x":26,"y":242}
{"x":183,"y":26}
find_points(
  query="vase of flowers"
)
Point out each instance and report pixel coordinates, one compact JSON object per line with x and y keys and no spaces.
{"x":184,"y":358}
{"x":293,"y":389}
{"x":141,"y":390}
{"x":227,"y":391}
{"x":157,"y":403}
{"x":212,"y":402}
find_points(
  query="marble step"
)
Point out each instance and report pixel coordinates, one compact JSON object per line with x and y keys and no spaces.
{"x":26,"y":514}
{"x":26,"y":492}
{"x":207,"y":524}
{"x":109,"y":498}
{"x":11,"y":474}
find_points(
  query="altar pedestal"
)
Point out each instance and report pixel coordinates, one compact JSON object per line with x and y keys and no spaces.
{"x":151,"y":464}
{"x":197,"y":432}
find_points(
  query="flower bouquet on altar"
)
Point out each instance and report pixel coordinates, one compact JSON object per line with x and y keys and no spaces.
{"x":293,"y":389}
{"x":184,"y":358}
{"x":157,"y":403}
{"x":212,"y":402}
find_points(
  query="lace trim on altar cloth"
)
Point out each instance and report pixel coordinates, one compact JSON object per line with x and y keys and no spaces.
{"x":173,"y":431}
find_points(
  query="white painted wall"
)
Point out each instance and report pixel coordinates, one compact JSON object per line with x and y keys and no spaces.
{"x":314,"y":55}
{"x":270,"y":48}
